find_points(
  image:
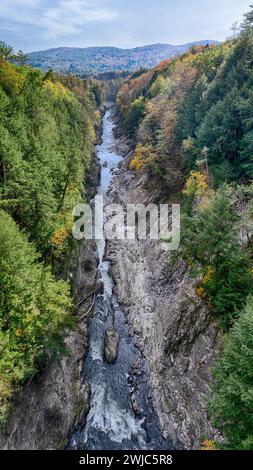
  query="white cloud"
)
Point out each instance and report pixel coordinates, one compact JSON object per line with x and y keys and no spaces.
{"x":59,"y":18}
{"x":69,"y":16}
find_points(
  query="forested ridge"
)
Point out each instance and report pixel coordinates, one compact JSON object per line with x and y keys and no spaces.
{"x":47,"y":132}
{"x":190,"y":122}
{"x":93,"y":60}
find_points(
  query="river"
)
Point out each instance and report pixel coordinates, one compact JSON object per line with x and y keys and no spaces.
{"x":113,"y":422}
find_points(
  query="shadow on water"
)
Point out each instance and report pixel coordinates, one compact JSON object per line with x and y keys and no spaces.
{"x":112,"y":423}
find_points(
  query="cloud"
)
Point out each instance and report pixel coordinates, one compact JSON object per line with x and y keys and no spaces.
{"x":41,"y":24}
{"x":69,"y":16}
{"x":59,"y":18}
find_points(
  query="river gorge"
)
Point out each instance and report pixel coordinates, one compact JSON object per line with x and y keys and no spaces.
{"x":121,"y":414}
{"x":136,"y":375}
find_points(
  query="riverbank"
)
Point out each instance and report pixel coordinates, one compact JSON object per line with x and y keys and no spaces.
{"x":148,"y":346}
{"x":179,"y":341}
{"x":121,"y":415}
{"x":56,"y":400}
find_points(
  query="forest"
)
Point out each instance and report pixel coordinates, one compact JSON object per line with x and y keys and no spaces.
{"x":95,"y":60}
{"x":190,"y":121}
{"x":47,"y":133}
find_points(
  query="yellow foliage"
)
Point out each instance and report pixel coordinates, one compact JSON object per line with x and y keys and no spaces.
{"x":196,"y":184}
{"x":11,"y":76}
{"x":208,"y":276}
{"x":208,"y":444}
{"x":143,"y":157}
{"x":58,"y":90}
{"x":59,"y":236}
{"x":19,"y":333}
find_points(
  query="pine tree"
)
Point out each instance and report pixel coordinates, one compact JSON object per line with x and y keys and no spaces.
{"x":211,"y":243}
{"x":248,"y":20}
{"x":20,"y":58}
{"x":6,"y":51}
{"x":231,"y":403}
{"x":34,"y":309}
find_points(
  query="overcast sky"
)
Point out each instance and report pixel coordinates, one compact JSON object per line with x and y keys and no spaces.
{"x":40,"y":24}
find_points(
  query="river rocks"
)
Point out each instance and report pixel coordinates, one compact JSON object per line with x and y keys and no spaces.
{"x":136,"y":369}
{"x":84,"y":404}
{"x":111,"y":345}
{"x":180,"y":341}
{"x":135,"y":404}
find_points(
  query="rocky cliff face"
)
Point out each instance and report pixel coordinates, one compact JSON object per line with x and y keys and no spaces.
{"x":57,"y":399}
{"x":174,"y":328}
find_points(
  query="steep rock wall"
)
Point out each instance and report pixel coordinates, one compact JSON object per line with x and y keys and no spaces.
{"x":175,"y":330}
{"x":46,"y":409}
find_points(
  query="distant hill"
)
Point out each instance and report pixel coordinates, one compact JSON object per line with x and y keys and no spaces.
{"x":106,"y":59}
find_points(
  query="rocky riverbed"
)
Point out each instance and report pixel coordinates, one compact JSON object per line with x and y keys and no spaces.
{"x":149,"y":347}
{"x":174,"y":328}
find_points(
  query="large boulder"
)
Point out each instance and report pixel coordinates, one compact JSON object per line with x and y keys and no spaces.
{"x":111,"y":345}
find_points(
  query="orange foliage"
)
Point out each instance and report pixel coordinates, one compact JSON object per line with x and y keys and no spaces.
{"x":208,"y":444}
{"x":163,"y":64}
{"x":131,"y":90}
{"x":200,"y":291}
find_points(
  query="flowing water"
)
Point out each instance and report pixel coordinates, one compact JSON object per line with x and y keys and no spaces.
{"x":111,"y":422}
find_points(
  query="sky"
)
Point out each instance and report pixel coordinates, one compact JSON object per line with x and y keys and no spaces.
{"x":33,"y":25}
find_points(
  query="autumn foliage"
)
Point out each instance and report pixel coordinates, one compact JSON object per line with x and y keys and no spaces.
{"x":144,"y":157}
{"x":196,"y":184}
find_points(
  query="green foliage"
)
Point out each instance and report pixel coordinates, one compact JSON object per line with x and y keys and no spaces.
{"x":211,"y":244}
{"x":46,"y":138}
{"x":46,"y":144}
{"x":160,"y":86}
{"x":103,"y":60}
{"x":6,"y":51}
{"x":34,"y":309}
{"x":20,"y":58}
{"x":248,"y":20}
{"x":198,"y":105}
{"x":231,"y":404}
{"x":135,"y":115}
{"x":204,"y":95}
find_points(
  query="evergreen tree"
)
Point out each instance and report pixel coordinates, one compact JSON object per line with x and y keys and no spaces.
{"x":34,"y":310}
{"x":6,"y":51}
{"x":211,"y":244}
{"x":20,"y":58}
{"x":46,"y":144}
{"x":231,"y":403}
{"x":135,"y":115}
{"x":248,"y":20}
